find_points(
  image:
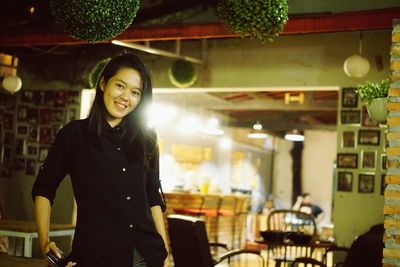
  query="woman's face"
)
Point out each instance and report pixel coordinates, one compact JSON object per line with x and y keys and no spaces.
{"x":121,"y":94}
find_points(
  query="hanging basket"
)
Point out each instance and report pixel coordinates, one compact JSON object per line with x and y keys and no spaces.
{"x":94,"y":21}
{"x":377,"y":109}
{"x":261,"y":19}
{"x":182,"y":74}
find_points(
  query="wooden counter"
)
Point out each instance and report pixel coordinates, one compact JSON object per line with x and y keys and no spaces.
{"x":224,"y":214}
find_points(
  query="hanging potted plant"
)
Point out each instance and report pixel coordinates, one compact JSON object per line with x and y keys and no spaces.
{"x":94,"y":21}
{"x":261,"y":19}
{"x":375,"y":96}
{"x":182,"y":74}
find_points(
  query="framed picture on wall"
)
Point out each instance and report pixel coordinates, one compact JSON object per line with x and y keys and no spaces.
{"x":368,"y":159}
{"x":384,"y":162}
{"x":369,"y":137}
{"x":348,"y":139}
{"x":366,"y":183}
{"x":347,"y":160}
{"x":22,"y":130}
{"x":350,"y":117}
{"x":349,"y":98}
{"x":345,"y":181}
{"x":383,"y":184}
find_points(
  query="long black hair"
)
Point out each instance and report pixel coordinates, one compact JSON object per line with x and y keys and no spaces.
{"x":138,"y":138}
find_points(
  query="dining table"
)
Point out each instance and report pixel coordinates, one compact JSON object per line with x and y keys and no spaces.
{"x":13,"y":261}
{"x":27,"y":230}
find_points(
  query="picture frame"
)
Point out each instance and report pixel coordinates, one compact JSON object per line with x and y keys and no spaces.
{"x":383,"y":184}
{"x":22,"y":130}
{"x":46,"y":135}
{"x":32,"y":150}
{"x":349,"y":98}
{"x":33,"y":133}
{"x":350,"y":117}
{"x":347,"y":160}
{"x":366,"y":183}
{"x":369,"y":137}
{"x":20,"y":147}
{"x":345,"y":181}
{"x":72,"y":113}
{"x":368,"y":159}
{"x":348,"y":139}
{"x":384,"y":162}
{"x":366,"y":120}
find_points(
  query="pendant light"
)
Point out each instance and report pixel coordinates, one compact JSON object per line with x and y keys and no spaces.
{"x":356,"y":66}
{"x":257,"y":132}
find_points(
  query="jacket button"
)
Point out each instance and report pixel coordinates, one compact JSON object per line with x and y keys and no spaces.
{"x":123,"y":169}
{"x":131,"y":226}
{"x":128,"y":198}
{"x":118,"y":148}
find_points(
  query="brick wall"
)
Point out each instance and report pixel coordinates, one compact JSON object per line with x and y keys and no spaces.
{"x":391,"y":252}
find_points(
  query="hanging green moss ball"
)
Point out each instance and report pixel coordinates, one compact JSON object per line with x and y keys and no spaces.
{"x":182,"y":74}
{"x":94,"y":21}
{"x":262,"y":19}
{"x":94,"y":74}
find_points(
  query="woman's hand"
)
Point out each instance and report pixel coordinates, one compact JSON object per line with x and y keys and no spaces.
{"x":51,"y":246}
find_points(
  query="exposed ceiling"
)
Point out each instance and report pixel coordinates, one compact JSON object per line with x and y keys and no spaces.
{"x":196,"y":19}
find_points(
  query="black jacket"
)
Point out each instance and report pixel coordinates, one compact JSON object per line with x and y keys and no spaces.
{"x":113,"y":194}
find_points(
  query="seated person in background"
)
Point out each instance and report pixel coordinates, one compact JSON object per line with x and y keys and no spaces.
{"x":304,"y":204}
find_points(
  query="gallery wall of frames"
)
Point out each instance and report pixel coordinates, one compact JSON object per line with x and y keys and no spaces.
{"x":29,"y":122}
{"x":361,"y":154}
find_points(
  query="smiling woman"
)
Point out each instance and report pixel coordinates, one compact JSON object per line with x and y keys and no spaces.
{"x":112,"y":157}
{"x":121,"y":94}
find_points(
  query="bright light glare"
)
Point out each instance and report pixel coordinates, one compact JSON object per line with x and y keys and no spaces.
{"x":225,"y":143}
{"x":294,"y":137}
{"x":212,"y":127}
{"x":189,"y":125}
{"x":257,"y":135}
{"x":161,"y":114}
{"x":257,"y":126}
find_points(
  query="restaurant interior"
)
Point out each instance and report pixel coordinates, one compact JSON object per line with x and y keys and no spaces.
{"x":224,"y":134}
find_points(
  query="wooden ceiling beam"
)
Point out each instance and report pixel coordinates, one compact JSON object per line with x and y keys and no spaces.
{"x":340,"y":22}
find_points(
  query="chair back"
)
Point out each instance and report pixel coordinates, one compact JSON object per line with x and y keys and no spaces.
{"x":333,"y":256}
{"x":189,"y":242}
{"x":292,"y":220}
{"x":307,"y":262}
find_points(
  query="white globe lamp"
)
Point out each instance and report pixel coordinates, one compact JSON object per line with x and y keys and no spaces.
{"x":12,"y":84}
{"x":356,"y":66}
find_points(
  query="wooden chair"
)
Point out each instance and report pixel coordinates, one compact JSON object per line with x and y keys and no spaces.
{"x":292,"y":221}
{"x":335,"y":256}
{"x":208,"y":211}
{"x":307,"y":262}
{"x":190,"y":246}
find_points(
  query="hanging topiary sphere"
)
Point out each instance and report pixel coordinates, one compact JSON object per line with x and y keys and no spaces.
{"x":94,"y":75}
{"x":182,"y":74}
{"x":94,"y":21}
{"x":262,"y":19}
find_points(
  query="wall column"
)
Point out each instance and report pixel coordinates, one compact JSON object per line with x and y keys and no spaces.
{"x":391,"y":252}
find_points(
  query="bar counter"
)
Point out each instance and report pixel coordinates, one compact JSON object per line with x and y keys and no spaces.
{"x":224,"y":214}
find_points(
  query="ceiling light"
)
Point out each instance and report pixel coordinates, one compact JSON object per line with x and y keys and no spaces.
{"x":212,"y":127}
{"x":356,"y":66}
{"x":225,"y":143}
{"x":294,"y":135}
{"x":257,"y":132}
